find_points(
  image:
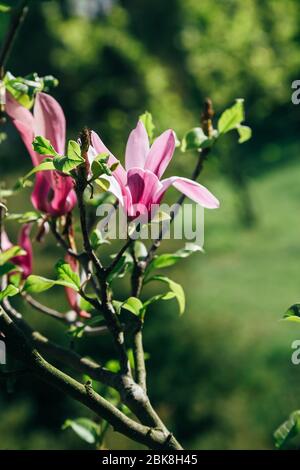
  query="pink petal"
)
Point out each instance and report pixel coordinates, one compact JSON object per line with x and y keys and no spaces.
{"x":72,"y":296}
{"x":191,"y":189}
{"x":40,"y":193}
{"x":25,"y":261}
{"x":114,"y":188}
{"x":24,"y":122}
{"x":5,"y":242}
{"x":49,"y":121}
{"x":119,"y":173}
{"x":137,"y":147}
{"x":161,"y":153}
{"x":143,"y":186}
{"x":64,"y":197}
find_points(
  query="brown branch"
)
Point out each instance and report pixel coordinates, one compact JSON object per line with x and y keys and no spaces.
{"x":22,"y":349}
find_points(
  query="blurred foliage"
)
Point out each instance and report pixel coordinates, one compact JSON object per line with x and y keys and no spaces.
{"x":227,"y":358}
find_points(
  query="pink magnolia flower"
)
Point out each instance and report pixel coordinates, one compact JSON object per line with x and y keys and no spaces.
{"x":72,"y":296}
{"x":22,"y":261}
{"x":53,"y":193}
{"x":139,"y":185}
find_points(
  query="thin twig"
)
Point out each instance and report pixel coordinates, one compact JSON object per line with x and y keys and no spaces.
{"x":17,"y":20}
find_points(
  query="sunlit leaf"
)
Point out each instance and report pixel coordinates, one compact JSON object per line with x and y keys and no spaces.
{"x":232,"y":117}
{"x":288,"y":430}
{"x":9,"y":291}
{"x":86,"y":429}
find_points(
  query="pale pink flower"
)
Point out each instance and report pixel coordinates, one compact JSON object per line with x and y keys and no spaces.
{"x":53,"y":192}
{"x":139,"y":185}
{"x":22,"y":261}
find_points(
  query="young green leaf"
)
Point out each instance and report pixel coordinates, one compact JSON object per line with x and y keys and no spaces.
{"x":4,"y":8}
{"x":87,"y":430}
{"x":9,"y":291}
{"x":43,"y":146}
{"x":46,"y":165}
{"x":147,"y":120}
{"x":175,"y":288}
{"x":292,"y":314}
{"x":245,"y":133}
{"x":11,"y":253}
{"x":121,"y":268}
{"x":152,"y":300}
{"x":7,"y":268}
{"x":289,"y":429}
{"x":103,"y":184}
{"x":65,"y":273}
{"x":133,"y":305}
{"x":169,"y":259}
{"x":66,"y":164}
{"x":97,"y":239}
{"x":195,"y":139}
{"x":37,"y":284}
{"x":232,"y":117}
{"x":74,"y":151}
{"x":30,"y":216}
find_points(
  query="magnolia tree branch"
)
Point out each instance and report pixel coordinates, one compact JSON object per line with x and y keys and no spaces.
{"x":24,"y":351}
{"x":17,"y":20}
{"x":140,"y":267}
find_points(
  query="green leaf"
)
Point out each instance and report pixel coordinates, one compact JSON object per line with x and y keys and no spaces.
{"x":30,"y":216}
{"x":133,"y":305}
{"x":169,"y":259}
{"x":66,"y":164}
{"x":11,"y":253}
{"x":36,"y":284}
{"x":9,"y":291}
{"x":175,"y":288}
{"x":232,"y":117}
{"x":114,"y":166}
{"x":292,"y":314}
{"x":7,"y":268}
{"x":121,"y":268}
{"x":103,"y":184}
{"x":85,"y":428}
{"x":43,"y":146}
{"x":74,"y":151}
{"x":155,"y":298}
{"x":245,"y":133}
{"x":46,"y":165}
{"x":195,"y":139}
{"x":4,"y":8}
{"x":147,"y":120}
{"x":65,"y":273}
{"x":289,"y":429}
{"x":97,"y":239}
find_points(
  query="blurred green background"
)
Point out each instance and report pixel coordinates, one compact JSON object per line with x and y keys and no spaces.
{"x":221,"y":376}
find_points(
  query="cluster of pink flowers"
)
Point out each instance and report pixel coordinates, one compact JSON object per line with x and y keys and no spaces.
{"x":137,"y":186}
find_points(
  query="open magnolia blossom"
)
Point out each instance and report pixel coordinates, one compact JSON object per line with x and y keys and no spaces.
{"x":53,"y":192}
{"x":139,"y":186}
{"x":24,"y":262}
